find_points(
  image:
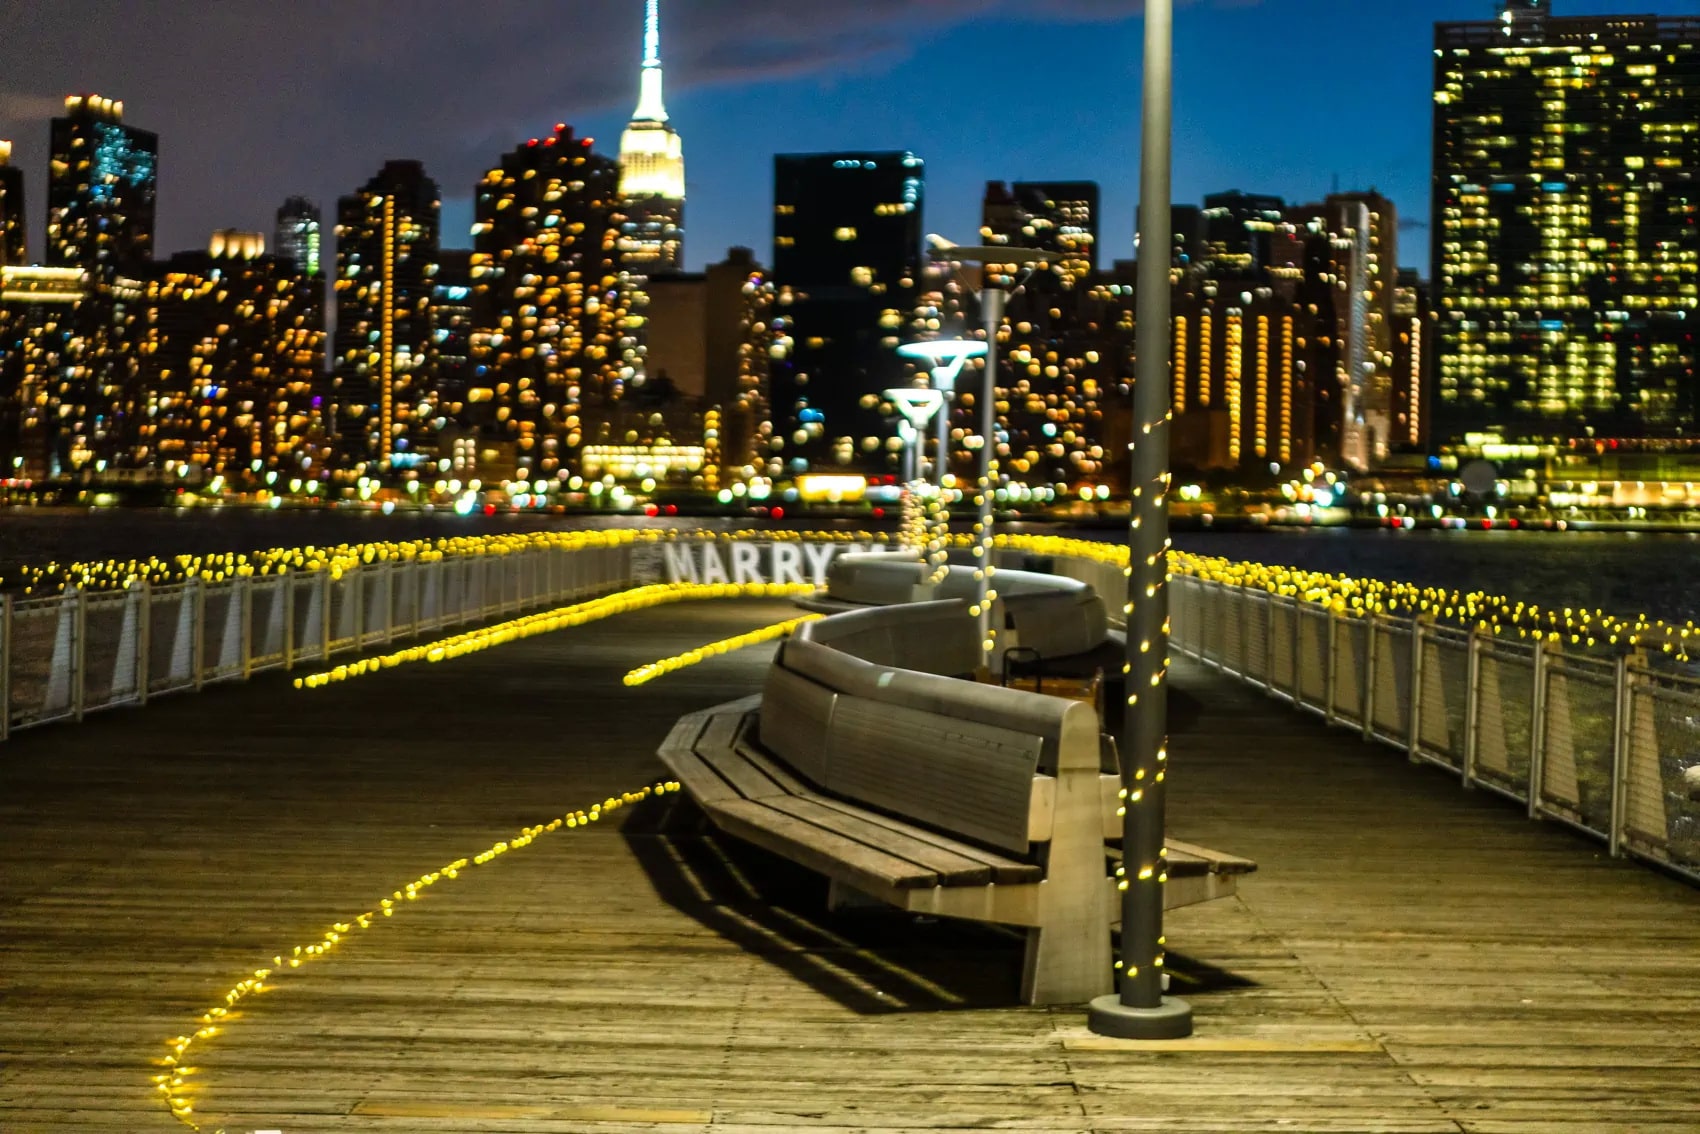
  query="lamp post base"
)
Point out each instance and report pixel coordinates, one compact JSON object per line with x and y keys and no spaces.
{"x":1108,"y":1016}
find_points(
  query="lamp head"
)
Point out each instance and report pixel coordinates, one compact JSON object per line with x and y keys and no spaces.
{"x":915,"y":404}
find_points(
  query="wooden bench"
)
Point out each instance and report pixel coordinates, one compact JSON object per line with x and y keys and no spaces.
{"x":933,"y":795}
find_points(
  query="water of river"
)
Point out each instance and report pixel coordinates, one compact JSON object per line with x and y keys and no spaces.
{"x":1622,"y":573}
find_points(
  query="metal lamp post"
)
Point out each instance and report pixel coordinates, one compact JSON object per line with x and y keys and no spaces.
{"x":992,"y":297}
{"x":945,"y":359}
{"x":1139,"y":1010}
{"x":918,"y":407}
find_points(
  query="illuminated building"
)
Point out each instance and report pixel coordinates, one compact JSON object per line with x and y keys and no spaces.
{"x":299,"y":234}
{"x":740,"y":311}
{"x":1238,"y":228}
{"x":652,"y":171}
{"x":1051,"y":405}
{"x":846,"y":265}
{"x":1566,"y":239}
{"x":101,"y":183}
{"x":231,"y":362}
{"x":1413,"y":338}
{"x":384,"y":370}
{"x":553,"y":348}
{"x":451,"y":330}
{"x":68,"y":371}
{"x":13,"y":225}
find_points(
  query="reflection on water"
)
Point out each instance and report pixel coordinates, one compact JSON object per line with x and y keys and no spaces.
{"x":1621,"y":573}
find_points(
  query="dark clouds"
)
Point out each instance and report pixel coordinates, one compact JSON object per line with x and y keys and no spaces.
{"x":256,"y":99}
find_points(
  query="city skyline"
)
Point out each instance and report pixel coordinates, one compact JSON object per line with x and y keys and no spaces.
{"x":819,"y":82}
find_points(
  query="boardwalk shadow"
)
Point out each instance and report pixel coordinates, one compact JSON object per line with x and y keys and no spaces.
{"x":872,"y":960}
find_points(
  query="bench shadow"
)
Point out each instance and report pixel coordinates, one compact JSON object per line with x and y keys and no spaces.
{"x":872,"y":960}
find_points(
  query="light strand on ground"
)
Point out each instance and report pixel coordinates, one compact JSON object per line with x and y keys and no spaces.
{"x":644,"y":674}
{"x":547,"y":622}
{"x":172,"y":1083}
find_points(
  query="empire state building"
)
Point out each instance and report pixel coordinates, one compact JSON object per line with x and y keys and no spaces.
{"x":652,"y":171}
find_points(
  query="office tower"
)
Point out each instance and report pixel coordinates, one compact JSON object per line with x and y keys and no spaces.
{"x":1566,"y":225}
{"x":552,"y":348}
{"x":231,"y":358}
{"x":1187,"y":223}
{"x":740,"y":308}
{"x":1364,"y":229}
{"x":1055,"y":216}
{"x":1413,"y":338}
{"x":846,"y":252}
{"x":101,"y":184}
{"x":451,"y":329}
{"x":383,"y":377}
{"x":298,"y":234}
{"x":13,"y":245}
{"x":1238,"y":228}
{"x":1050,"y":409}
{"x":652,"y":171}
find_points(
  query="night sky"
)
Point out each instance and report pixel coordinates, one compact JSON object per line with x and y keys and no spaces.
{"x":254,"y":100}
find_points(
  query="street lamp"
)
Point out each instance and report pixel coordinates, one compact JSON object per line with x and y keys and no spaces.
{"x":918,"y":407}
{"x":992,"y":296}
{"x":1138,"y":1009}
{"x":945,"y":359}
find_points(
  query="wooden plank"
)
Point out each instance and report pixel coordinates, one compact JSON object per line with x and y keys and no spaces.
{"x":1220,"y":862}
{"x":704,"y":784}
{"x":747,"y":778}
{"x":952,"y":869}
{"x":822,"y":851}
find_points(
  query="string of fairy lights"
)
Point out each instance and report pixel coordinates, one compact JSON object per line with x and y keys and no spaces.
{"x":548,"y":622}
{"x":172,"y":1084}
{"x":644,"y":674}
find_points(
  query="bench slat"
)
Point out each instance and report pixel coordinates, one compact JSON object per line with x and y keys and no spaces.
{"x":703,"y":783}
{"x":952,"y":869}
{"x":751,"y":781}
{"x":1220,"y":863}
{"x":822,"y":851}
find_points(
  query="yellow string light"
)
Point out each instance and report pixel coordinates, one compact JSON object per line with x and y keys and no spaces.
{"x":547,"y":622}
{"x":172,"y":1082}
{"x":644,"y":674}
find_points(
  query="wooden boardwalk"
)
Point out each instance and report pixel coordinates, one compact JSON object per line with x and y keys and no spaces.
{"x":1410,"y":957}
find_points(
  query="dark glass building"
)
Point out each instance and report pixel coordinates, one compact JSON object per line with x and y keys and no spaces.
{"x":102,"y":181}
{"x":1566,"y":227}
{"x":299,"y":235}
{"x":384,"y":375}
{"x":846,"y":265}
{"x":1239,"y":228}
{"x":13,"y":244}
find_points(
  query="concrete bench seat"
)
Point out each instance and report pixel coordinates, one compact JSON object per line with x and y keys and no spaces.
{"x":930,"y":793}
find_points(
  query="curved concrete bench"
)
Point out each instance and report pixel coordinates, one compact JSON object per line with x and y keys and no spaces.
{"x":929,"y":793}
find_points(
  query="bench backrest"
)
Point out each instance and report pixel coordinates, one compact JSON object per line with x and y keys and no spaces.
{"x":952,"y":755}
{"x":1057,"y":623}
{"x":929,"y":637}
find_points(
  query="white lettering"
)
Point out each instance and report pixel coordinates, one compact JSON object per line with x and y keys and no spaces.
{"x":819,"y":555}
{"x":787,"y":563}
{"x":679,"y":565}
{"x":713,"y":570}
{"x":746,"y":563}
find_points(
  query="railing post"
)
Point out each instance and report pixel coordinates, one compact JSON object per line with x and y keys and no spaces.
{"x":1538,"y":727}
{"x":287,"y":581}
{"x":1414,"y":725}
{"x":326,"y":623}
{"x":1472,"y":704}
{"x":354,"y":580}
{"x":1269,"y":598}
{"x":244,"y":594}
{"x":144,"y":639}
{"x":6,"y":624}
{"x":1372,"y":634}
{"x":389,"y":602}
{"x":79,"y":650}
{"x":1620,"y":738}
{"x":198,"y":641}
{"x":1295,"y":647}
{"x":1331,"y":682}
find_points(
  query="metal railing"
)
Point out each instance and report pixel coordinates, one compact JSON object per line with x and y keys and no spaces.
{"x":1601,"y":744}
{"x":78,"y":652}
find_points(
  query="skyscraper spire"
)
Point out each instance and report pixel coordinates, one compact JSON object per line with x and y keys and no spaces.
{"x":652,"y":169}
{"x":651,"y":107}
